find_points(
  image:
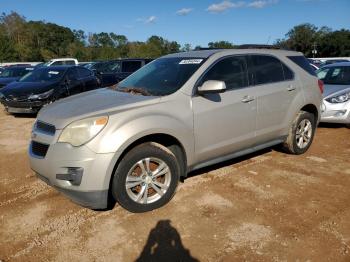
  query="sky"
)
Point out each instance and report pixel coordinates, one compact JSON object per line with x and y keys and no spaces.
{"x":187,"y":21}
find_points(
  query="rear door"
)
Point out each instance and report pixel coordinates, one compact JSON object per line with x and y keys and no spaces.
{"x":225,"y":122}
{"x":73,"y":84}
{"x":87,"y":78}
{"x":275,"y":91}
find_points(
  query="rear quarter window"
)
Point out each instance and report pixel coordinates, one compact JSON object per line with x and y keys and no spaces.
{"x":302,"y":62}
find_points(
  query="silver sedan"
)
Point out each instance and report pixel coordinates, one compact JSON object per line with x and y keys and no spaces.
{"x":336,"y":96}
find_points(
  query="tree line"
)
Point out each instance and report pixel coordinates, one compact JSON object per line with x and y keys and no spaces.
{"x":22,"y":40}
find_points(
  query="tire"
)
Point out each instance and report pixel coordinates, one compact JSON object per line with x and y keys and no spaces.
{"x":138,"y":172}
{"x":299,"y":141}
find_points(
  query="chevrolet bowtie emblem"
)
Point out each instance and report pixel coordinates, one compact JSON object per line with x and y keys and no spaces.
{"x":34,"y":135}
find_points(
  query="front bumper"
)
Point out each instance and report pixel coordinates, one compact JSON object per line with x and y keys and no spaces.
{"x":335,"y":113}
{"x":96,"y":169}
{"x":13,"y":106}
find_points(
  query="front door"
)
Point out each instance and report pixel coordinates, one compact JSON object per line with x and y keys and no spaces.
{"x":225,"y":122}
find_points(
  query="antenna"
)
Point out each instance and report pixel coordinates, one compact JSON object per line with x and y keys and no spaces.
{"x":268,"y":40}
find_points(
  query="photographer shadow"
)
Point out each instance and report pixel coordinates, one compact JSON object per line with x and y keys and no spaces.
{"x":164,"y":244}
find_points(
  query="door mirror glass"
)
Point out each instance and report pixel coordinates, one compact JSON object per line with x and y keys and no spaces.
{"x":212,"y":86}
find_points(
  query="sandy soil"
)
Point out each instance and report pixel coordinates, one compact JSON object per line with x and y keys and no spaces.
{"x":268,"y":206}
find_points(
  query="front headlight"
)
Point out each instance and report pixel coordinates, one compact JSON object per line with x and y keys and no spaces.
{"x":41,"y":96}
{"x":342,"y":98}
{"x":82,"y":131}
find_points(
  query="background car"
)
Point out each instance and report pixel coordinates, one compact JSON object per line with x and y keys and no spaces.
{"x":45,"y":85}
{"x":336,"y":96}
{"x":332,"y":61}
{"x":112,"y":72}
{"x":13,"y":73}
{"x":60,"y":61}
{"x":314,"y":67}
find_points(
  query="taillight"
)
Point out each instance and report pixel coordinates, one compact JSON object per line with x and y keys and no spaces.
{"x":320,"y":86}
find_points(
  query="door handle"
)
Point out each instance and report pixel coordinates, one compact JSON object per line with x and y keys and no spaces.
{"x":290,"y":88}
{"x":247,"y":99}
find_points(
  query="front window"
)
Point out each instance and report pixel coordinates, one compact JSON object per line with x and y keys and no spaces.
{"x":45,"y":74}
{"x":336,"y":75}
{"x":231,"y":70}
{"x":162,"y":77}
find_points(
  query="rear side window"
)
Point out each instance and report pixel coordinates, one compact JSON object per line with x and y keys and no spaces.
{"x":266,"y":69}
{"x":57,"y":63}
{"x":131,"y":66}
{"x":303,"y":63}
{"x":69,"y":62}
{"x":231,"y":70}
{"x":83,"y":72}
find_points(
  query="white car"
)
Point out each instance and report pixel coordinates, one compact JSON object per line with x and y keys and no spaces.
{"x":61,"y":61}
{"x":336,"y":97}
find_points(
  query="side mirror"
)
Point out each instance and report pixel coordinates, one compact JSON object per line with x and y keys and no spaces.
{"x":212,"y":86}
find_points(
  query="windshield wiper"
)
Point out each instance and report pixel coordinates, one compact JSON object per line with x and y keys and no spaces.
{"x":132,"y":90}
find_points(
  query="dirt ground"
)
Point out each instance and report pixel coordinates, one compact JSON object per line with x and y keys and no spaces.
{"x":268,"y":206}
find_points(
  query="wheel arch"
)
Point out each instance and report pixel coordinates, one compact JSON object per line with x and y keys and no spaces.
{"x":311,"y":108}
{"x":169,"y":141}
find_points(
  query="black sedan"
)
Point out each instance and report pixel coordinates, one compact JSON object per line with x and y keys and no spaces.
{"x":45,"y":85}
{"x":13,"y":73}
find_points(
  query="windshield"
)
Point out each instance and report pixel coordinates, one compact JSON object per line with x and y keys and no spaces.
{"x":16,"y":72}
{"x":336,"y":75}
{"x":162,"y":77}
{"x":44,"y":74}
{"x":9,"y":72}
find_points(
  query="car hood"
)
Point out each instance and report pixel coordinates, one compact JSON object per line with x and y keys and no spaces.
{"x":331,"y":89}
{"x":6,"y":80}
{"x":27,"y":88}
{"x":92,"y":103}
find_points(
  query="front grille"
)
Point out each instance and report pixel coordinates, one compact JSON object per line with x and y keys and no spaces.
{"x":39,"y":149}
{"x":45,"y":128}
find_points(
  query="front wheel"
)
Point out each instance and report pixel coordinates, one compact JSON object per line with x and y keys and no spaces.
{"x":146,"y":178}
{"x":301,"y":134}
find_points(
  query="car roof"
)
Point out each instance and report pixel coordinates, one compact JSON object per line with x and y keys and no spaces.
{"x":62,"y":59}
{"x":127,"y":59}
{"x":337,"y":64}
{"x":60,"y":66}
{"x":209,"y":52}
{"x":17,"y":67}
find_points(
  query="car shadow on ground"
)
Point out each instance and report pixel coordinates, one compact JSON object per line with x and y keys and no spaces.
{"x":24,"y":115}
{"x":331,"y":125}
{"x":230,"y":162}
{"x":164,"y":244}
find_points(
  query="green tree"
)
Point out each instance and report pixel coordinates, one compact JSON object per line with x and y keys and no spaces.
{"x":221,"y":44}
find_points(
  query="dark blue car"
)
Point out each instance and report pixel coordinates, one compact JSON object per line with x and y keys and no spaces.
{"x":46,"y":85}
{"x":13,"y":73}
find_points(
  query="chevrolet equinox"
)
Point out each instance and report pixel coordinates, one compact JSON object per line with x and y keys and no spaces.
{"x":181,"y":112}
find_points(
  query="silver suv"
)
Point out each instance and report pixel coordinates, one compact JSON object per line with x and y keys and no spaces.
{"x":181,"y":112}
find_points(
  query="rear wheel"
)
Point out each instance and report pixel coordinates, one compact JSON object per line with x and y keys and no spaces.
{"x":146,"y":178}
{"x":301,"y":134}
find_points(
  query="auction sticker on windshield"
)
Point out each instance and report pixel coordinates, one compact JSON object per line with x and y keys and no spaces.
{"x":190,"y":61}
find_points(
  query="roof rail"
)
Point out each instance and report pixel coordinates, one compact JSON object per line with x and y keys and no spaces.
{"x":246,"y":46}
{"x":257,"y":46}
{"x":208,"y":48}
